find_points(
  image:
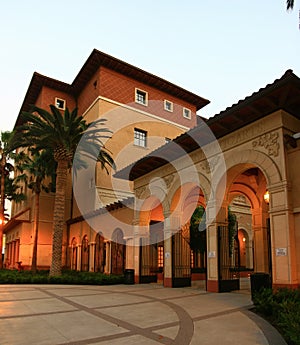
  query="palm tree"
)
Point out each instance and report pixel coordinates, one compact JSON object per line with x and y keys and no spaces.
{"x":5,"y":168}
{"x":289,"y":4}
{"x":35,"y":168}
{"x":60,"y":132}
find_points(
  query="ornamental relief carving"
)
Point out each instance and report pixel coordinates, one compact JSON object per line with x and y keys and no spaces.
{"x":270,"y":142}
{"x":140,"y":191}
{"x":144,"y":192}
{"x":242,"y":136}
{"x":210,"y":164}
{"x":168,"y":180}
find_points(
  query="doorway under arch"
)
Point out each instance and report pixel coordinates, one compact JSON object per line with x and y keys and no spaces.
{"x":100,"y":253}
{"x":252,"y":242}
{"x":118,"y":252}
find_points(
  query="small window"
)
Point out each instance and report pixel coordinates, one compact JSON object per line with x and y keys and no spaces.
{"x":140,"y":137}
{"x":186,"y":113}
{"x":60,"y":103}
{"x":141,"y":97}
{"x":168,"y":105}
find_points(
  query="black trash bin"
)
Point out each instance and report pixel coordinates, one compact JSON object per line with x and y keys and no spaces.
{"x":129,"y":276}
{"x":259,"y":280}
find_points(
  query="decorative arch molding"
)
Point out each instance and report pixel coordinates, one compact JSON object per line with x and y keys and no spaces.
{"x":239,"y":188}
{"x":97,"y":234}
{"x":149,"y":204}
{"x":117,"y":234}
{"x":205,"y":187}
{"x":74,"y":241}
{"x":257,"y":159}
{"x":247,"y":232}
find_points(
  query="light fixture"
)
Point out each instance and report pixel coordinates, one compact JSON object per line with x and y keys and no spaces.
{"x":244,"y":239}
{"x":267,"y":197}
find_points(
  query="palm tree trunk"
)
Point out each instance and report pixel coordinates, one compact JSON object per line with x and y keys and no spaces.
{"x":59,"y":217}
{"x":35,"y":232}
{"x":2,"y":195}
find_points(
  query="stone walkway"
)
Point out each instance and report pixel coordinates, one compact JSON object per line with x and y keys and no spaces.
{"x":128,"y":314}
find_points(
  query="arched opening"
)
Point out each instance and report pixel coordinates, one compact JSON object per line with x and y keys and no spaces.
{"x":243,"y":240}
{"x":100,"y":253}
{"x":73,"y":255}
{"x":118,"y":252}
{"x":189,"y":242}
{"x":252,"y":241}
{"x":85,"y":254}
{"x":152,"y":241}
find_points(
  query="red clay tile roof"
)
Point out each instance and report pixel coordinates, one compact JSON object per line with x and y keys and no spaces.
{"x":94,"y":61}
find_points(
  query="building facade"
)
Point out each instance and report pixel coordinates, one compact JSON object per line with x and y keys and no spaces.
{"x":141,"y":110}
{"x":248,"y":152}
{"x":238,"y":169}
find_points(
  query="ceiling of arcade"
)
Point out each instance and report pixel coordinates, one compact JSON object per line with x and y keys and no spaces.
{"x":251,"y":183}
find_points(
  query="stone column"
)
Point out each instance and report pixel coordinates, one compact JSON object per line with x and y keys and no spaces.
{"x":284,"y":265}
{"x":107,"y":268}
{"x":249,"y":251}
{"x":215,"y":216}
{"x":259,"y":228}
{"x":171,"y":225}
{"x":79,"y":257}
{"x":129,"y":252}
{"x":140,"y":230}
{"x":92,"y":257}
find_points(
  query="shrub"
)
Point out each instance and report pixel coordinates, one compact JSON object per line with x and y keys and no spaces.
{"x":67,"y":277}
{"x":282,"y":309}
{"x":264,"y":302}
{"x":289,"y":320}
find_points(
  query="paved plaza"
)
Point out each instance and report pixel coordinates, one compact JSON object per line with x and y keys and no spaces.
{"x":128,"y":314}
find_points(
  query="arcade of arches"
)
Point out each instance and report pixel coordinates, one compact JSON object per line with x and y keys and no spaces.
{"x":249,"y":190}
{"x":186,"y":257}
{"x":259,"y":192}
{"x":162,"y":246}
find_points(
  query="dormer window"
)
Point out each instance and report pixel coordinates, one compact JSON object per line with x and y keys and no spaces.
{"x":60,"y":103}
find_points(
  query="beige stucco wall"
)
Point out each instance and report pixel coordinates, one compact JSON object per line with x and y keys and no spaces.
{"x":293,"y":157}
{"x":121,"y":120}
{"x":262,"y":145}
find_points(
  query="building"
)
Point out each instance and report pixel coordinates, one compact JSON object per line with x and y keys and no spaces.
{"x":248,"y":152}
{"x":242,"y":161}
{"x":141,"y":110}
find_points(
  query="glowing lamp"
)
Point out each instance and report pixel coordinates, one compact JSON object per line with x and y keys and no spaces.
{"x":267,"y":197}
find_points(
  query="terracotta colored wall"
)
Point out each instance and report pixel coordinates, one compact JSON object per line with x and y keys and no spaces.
{"x":122,"y":89}
{"x":47,"y":96}
{"x":89,"y":93}
{"x":117,"y":87}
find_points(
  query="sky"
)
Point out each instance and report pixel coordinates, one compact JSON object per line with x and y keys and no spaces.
{"x":220,"y":50}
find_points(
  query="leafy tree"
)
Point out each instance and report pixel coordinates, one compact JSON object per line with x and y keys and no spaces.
{"x":289,"y":4}
{"x":36,"y":169}
{"x":61,"y":132}
{"x":197,"y":230}
{"x":5,"y":168}
{"x":198,"y":236}
{"x":232,"y":229}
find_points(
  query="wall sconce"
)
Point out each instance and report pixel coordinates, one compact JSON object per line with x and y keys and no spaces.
{"x":244,"y":239}
{"x":267,"y":197}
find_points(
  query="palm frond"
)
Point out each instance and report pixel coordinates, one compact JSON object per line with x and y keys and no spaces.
{"x":289,"y":4}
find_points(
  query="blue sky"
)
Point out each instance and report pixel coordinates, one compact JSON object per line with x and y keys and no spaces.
{"x":220,"y":50}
